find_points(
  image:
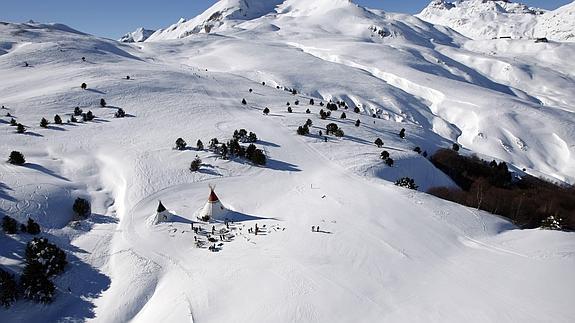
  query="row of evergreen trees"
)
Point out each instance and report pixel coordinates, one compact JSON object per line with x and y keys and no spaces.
{"x":11,"y":226}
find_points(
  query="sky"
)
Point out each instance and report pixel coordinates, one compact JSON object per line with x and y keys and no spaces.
{"x":114,"y":18}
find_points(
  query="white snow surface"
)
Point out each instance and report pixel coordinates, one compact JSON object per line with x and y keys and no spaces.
{"x":489,"y":19}
{"x":384,"y":254}
{"x":137,"y":36}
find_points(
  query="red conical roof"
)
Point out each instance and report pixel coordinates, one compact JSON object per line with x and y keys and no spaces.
{"x":213,"y":197}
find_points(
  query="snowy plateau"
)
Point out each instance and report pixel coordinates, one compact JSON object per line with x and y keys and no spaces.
{"x":383,"y":253}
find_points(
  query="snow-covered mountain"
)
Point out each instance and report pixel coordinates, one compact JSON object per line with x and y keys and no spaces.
{"x":488,"y":19}
{"x":137,"y":36}
{"x":382,"y":253}
{"x":222,"y":15}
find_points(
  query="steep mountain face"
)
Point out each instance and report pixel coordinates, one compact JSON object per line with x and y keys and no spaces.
{"x":137,"y":36}
{"x":488,"y":19}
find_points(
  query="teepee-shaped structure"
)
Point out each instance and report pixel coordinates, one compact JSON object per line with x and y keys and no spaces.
{"x":162,"y":214}
{"x":214,"y":209}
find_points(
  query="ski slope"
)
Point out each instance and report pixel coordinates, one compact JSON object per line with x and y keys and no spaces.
{"x":383,"y":254}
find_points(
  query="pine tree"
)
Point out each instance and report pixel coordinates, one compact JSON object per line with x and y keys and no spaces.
{"x":77,"y":111}
{"x":89,"y":116}
{"x":20,"y":128}
{"x":8,"y":289}
{"x":102,"y":103}
{"x":244,"y":102}
{"x":294,"y":91}
{"x":343,"y":115}
{"x":378,"y":142}
{"x":402,"y":133}
{"x":389,"y":162}
{"x":252,"y":137}
{"x":44,"y":123}
{"x":181,"y":144}
{"x":266,"y":111}
{"x":289,"y":110}
{"x":357,"y":123}
{"x":32,"y":227}
{"x":384,"y":155}
{"x":251,"y":90}
{"x":307,"y":111}
{"x":309,"y":123}
{"x":120,"y":113}
{"x":84,"y":86}
{"x":296,"y":102}
{"x":250,"y":151}
{"x":224,"y":151}
{"x":73,"y":119}
{"x":417,"y":150}
{"x":196,"y":164}
{"x":16,"y":158}
{"x":311,"y":102}
{"x":356,"y":110}
{"x":407,"y":183}
{"x":13,"y":122}
{"x":57,"y":119}
{"x":259,"y":158}
{"x":455,"y":147}
{"x":82,"y":208}
{"x":339,"y":133}
{"x":200,"y":145}
{"x":9,"y":225}
{"x":321,"y":104}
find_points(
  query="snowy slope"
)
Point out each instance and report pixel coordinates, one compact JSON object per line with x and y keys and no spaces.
{"x":137,"y":36}
{"x":479,"y":19}
{"x":385,"y":253}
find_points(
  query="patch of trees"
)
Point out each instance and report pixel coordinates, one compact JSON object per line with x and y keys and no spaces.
{"x":10,"y":226}
{"x":242,"y":135}
{"x":324,"y":115}
{"x":407,"y":183}
{"x":43,"y":260}
{"x":304,"y":130}
{"x":331,"y":106}
{"x":333,"y":129}
{"x":20,"y":128}
{"x":528,"y":201}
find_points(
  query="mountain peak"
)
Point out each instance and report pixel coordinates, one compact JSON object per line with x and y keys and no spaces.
{"x":137,"y":36}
